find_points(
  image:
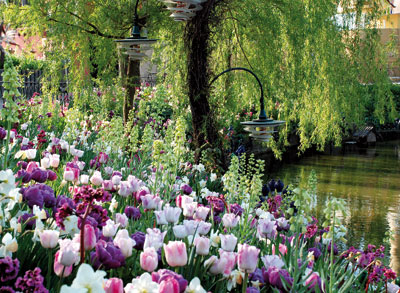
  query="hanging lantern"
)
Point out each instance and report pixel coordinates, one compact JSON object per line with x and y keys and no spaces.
{"x":183,"y":10}
{"x":136,"y":46}
{"x":262,"y":128}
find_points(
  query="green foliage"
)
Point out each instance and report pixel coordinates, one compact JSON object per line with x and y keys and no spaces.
{"x":28,"y":63}
{"x":11,"y":83}
{"x":312,"y":62}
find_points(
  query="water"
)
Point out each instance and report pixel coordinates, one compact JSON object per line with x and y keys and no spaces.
{"x":368,"y":180}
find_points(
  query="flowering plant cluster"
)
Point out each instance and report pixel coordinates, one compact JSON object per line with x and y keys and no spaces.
{"x":74,"y":219}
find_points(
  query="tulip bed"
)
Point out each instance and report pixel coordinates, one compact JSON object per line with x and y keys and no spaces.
{"x":81,"y":213}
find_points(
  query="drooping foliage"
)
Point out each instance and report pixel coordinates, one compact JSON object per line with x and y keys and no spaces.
{"x":313,"y":57}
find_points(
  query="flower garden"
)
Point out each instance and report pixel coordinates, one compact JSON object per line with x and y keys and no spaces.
{"x":86,"y":208}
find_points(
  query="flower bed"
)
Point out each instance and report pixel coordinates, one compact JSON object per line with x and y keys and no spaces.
{"x":81,"y":210}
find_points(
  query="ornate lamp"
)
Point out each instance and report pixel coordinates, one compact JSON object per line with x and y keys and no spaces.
{"x":262,"y":128}
{"x":183,"y":10}
{"x":136,"y":45}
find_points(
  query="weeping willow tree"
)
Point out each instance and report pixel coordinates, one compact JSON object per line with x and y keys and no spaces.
{"x":314,"y":58}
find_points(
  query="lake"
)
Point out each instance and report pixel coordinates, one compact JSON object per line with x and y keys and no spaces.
{"x":368,"y":179}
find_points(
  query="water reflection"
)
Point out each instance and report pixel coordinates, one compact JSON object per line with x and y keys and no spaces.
{"x":368,"y":180}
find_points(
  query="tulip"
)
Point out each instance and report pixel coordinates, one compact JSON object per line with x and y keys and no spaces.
{"x":189,"y":209}
{"x":45,"y":163}
{"x":228,"y":242}
{"x":247,"y":257}
{"x":169,"y":285}
{"x":84,"y":179}
{"x":149,"y":259}
{"x":266,"y":228}
{"x":175,"y":253}
{"x":30,"y":154}
{"x":107,"y":185}
{"x":121,"y":219}
{"x":124,"y":242}
{"x":272,"y":261}
{"x":69,"y":252}
{"x":124,"y":187}
{"x":110,"y":228}
{"x":230,"y":220}
{"x":150,"y":201}
{"x":89,"y":237}
{"x":179,"y":231}
{"x":96,"y":178}
{"x":31,"y":166}
{"x":114,"y":285}
{"x":160,"y":217}
{"x":154,"y":238}
{"x":313,"y":280}
{"x":49,"y":238}
{"x":52,"y":176}
{"x":203,"y":227}
{"x":116,"y":179}
{"x":60,"y":269}
{"x":172,"y":213}
{"x":132,"y":213}
{"x":201,"y":213}
{"x":202,"y":245}
{"x":54,"y":160}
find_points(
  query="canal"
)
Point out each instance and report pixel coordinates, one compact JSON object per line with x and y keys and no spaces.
{"x":368,"y":179}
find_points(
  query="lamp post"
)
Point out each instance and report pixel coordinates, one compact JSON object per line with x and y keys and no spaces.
{"x":183,"y":10}
{"x":260,"y":129}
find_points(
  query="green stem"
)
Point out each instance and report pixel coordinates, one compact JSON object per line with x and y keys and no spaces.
{"x":244,"y":287}
{"x":61,"y":279}
{"x":331,"y":268}
{"x":7,"y":144}
{"x":49,"y":262}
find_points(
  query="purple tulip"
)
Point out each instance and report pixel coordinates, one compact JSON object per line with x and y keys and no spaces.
{"x":164,"y":274}
{"x":139,"y":238}
{"x":51,"y":175}
{"x":273,"y":277}
{"x":186,"y":189}
{"x":109,"y":255}
{"x":39,"y":175}
{"x":132,"y":213}
{"x":252,"y":290}
{"x":30,"y":225}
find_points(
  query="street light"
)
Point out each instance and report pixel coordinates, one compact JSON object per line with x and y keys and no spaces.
{"x":262,"y":128}
{"x":136,"y":45}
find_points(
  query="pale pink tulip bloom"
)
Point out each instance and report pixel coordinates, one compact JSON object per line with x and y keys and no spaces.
{"x":228,"y":242}
{"x":175,"y":253}
{"x":149,"y":259}
{"x":114,"y":285}
{"x":247,"y":258}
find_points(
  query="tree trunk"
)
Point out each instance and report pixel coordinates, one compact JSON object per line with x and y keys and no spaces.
{"x":197,"y":37}
{"x":129,"y":71}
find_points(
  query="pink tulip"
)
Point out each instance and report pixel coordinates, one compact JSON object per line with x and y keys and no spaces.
{"x":247,"y":258}
{"x":150,"y":201}
{"x":71,"y":174}
{"x":124,"y":187}
{"x":89,"y":237}
{"x":116,"y":179}
{"x":84,"y":179}
{"x":154,"y":238}
{"x":230,"y":220}
{"x":54,"y":160}
{"x":169,"y":285}
{"x":49,"y":238}
{"x":121,"y":219}
{"x":313,"y":280}
{"x":149,"y":259}
{"x":31,"y":166}
{"x":228,"y":242}
{"x":282,"y":249}
{"x":203,"y":228}
{"x":59,"y":269}
{"x":114,"y":285}
{"x":69,"y":252}
{"x":96,"y":178}
{"x":266,"y":228}
{"x":107,"y":185}
{"x":172,"y":213}
{"x":201,"y":213}
{"x":175,"y":253}
{"x":124,"y":242}
{"x":189,"y":209}
{"x":202,"y":245}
